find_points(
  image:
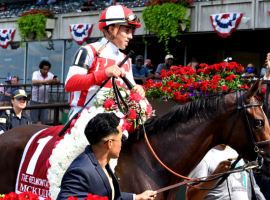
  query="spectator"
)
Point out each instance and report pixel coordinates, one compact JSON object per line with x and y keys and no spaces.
{"x":140,"y":73}
{"x":4,"y":7}
{"x":40,"y":93}
{"x":167,"y":65}
{"x":51,"y":2}
{"x":250,"y":71}
{"x":264,"y":70}
{"x":228,"y":60}
{"x":235,"y":187}
{"x":15,"y":117}
{"x":88,"y":6}
{"x":5,"y":98}
{"x":113,"y":2}
{"x":150,"y":66}
{"x":194,"y":63}
{"x":8,"y":81}
{"x":41,"y":2}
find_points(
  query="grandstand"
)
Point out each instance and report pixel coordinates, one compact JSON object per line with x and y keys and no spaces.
{"x":15,"y":8}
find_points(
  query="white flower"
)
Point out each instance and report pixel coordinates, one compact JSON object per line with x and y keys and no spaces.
{"x":123,"y":94}
{"x":143,"y":105}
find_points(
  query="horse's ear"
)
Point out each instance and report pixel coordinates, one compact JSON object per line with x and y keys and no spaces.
{"x":255,"y":87}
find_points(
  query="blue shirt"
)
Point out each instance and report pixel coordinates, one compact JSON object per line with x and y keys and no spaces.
{"x":161,"y":67}
{"x":10,"y":90}
{"x":140,"y":73}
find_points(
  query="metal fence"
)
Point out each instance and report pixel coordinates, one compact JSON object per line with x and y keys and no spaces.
{"x":46,"y":102}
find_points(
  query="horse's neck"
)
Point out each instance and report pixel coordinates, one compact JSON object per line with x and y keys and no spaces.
{"x":181,"y":148}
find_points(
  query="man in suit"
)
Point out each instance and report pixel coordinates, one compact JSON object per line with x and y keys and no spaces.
{"x":90,"y":171}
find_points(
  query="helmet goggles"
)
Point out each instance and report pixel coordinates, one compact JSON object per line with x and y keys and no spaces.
{"x":131,"y":18}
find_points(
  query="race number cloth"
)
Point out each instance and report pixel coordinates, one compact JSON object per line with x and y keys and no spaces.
{"x":224,"y":24}
{"x":6,"y":36}
{"x":32,"y":174}
{"x":80,"y":32}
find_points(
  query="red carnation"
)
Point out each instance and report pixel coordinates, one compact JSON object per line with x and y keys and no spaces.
{"x":133,"y":114}
{"x":244,"y":86}
{"x":263,"y":90}
{"x":158,"y":85}
{"x":213,"y":86}
{"x":72,"y":123}
{"x":72,"y":198}
{"x":135,"y":97}
{"x":164,"y":89}
{"x":200,"y":71}
{"x":31,"y":196}
{"x":203,"y":65}
{"x":224,"y":88}
{"x":148,"y":109}
{"x":95,"y":197}
{"x":170,"y":84}
{"x":108,"y":104}
{"x":230,"y":78}
{"x":11,"y":196}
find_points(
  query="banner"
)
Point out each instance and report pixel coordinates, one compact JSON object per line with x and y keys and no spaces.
{"x":225,"y":23}
{"x":6,"y":36}
{"x":80,"y":32}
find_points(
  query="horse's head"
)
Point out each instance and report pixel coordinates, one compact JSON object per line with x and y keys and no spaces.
{"x":251,"y":136}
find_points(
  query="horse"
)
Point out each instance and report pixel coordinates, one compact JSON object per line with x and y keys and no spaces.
{"x":181,"y":137}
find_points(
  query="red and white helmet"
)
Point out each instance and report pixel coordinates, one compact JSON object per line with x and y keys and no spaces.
{"x":118,"y":15}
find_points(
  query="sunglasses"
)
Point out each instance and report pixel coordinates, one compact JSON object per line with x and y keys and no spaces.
{"x":123,"y":140}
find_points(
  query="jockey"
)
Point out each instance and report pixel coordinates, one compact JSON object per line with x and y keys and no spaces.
{"x":96,"y":62}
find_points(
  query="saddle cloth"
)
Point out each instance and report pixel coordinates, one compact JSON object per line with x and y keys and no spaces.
{"x":32,"y":174}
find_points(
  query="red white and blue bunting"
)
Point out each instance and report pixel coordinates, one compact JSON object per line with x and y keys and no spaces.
{"x":225,"y":23}
{"x":80,"y":32}
{"x":6,"y":36}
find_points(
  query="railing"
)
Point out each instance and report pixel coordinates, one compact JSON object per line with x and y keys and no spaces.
{"x":52,"y":101}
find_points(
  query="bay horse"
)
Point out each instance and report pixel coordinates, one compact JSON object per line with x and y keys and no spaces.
{"x":181,"y":137}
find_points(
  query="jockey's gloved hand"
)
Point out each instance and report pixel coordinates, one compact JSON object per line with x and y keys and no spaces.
{"x":113,"y":71}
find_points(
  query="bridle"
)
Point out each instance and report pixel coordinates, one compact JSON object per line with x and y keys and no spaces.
{"x":241,"y":109}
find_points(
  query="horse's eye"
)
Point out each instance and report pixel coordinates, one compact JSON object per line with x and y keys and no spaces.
{"x":259,"y":123}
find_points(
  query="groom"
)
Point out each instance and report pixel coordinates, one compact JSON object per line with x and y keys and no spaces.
{"x":90,"y":171}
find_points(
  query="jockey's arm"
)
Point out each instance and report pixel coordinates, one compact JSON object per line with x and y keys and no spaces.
{"x":81,"y":81}
{"x":78,"y":78}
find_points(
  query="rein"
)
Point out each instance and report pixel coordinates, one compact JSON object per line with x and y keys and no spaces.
{"x":241,"y":108}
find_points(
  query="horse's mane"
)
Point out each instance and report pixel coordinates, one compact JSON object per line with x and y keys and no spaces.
{"x":206,"y":107}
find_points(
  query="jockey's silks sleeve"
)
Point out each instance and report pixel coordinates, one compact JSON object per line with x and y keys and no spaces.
{"x":79,"y":82}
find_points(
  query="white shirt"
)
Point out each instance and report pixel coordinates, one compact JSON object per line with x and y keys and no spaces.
{"x":39,"y":96}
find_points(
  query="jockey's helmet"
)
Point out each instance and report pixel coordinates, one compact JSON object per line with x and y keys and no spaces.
{"x":118,"y":15}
